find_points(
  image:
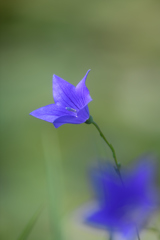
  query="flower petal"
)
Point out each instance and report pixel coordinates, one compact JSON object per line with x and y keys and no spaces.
{"x":144,"y":171}
{"x":124,"y":206}
{"x":51,"y":112}
{"x":97,"y":219}
{"x":81,"y":117}
{"x":83,"y":92}
{"x":64,"y":93}
{"x":100,"y":219}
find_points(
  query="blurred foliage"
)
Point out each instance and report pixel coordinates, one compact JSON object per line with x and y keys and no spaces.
{"x":120,"y":42}
{"x":29,"y":226}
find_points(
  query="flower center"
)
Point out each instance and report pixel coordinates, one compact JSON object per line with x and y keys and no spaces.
{"x":71,"y":110}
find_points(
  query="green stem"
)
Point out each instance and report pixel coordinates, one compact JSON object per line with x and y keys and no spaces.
{"x":54,"y":182}
{"x":89,"y":121}
{"x":109,"y":145}
{"x":110,"y":237}
{"x":138,"y":237}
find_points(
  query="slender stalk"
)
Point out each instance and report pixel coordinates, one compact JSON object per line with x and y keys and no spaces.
{"x":109,"y":145}
{"x":30,"y":225}
{"x":54,"y":182}
{"x":118,"y":165}
{"x":110,"y":237}
{"x":138,"y":237}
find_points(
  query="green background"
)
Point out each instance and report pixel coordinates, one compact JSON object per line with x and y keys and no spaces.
{"x":120,"y":42}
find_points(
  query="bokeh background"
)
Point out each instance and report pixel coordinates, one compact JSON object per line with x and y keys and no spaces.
{"x":120,"y":42}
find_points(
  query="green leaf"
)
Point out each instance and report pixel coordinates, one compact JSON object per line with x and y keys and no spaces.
{"x":28,"y":228}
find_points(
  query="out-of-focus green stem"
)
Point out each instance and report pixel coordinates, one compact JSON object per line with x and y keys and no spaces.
{"x":28,"y":228}
{"x":110,"y":236}
{"x":138,"y":237}
{"x":54,"y":182}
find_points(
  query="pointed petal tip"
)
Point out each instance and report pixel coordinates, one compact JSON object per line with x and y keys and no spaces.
{"x":54,"y":76}
{"x":85,"y":77}
{"x":31,"y":113}
{"x":88,"y":71}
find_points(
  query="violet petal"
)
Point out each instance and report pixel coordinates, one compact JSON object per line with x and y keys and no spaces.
{"x":81,"y":117}
{"x":83,"y":93}
{"x":64,"y":93}
{"x":51,"y":112}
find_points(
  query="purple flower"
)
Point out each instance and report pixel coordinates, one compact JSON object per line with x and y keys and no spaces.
{"x":71,"y":103}
{"x":124,"y":207}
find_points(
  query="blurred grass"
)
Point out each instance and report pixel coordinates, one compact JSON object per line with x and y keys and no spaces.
{"x":30,"y":225}
{"x":120,"y":42}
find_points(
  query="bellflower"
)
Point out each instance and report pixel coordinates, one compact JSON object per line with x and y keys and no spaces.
{"x":71,"y":103}
{"x":124,"y":206}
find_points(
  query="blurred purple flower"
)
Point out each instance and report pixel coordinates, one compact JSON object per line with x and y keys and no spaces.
{"x":124,"y":207}
{"x":71,"y":103}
